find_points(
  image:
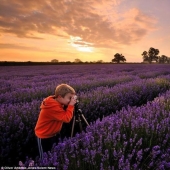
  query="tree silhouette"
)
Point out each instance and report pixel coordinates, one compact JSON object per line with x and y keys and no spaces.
{"x":118,"y":58}
{"x":145,"y":56}
{"x":54,"y":61}
{"x":151,"y":55}
{"x":77,"y":60}
{"x":163,"y":59}
{"x":99,"y":61}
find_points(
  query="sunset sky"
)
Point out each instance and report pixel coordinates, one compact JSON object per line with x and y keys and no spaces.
{"x":90,"y":30}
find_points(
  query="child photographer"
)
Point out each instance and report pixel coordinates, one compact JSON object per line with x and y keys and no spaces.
{"x":55,"y":110}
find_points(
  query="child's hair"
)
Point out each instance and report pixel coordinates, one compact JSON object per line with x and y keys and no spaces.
{"x":63,"y":89}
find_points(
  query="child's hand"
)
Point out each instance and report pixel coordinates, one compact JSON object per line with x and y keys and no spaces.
{"x":73,"y":100}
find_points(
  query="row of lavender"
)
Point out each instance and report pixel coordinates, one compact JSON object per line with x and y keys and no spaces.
{"x":104,"y":100}
{"x":43,"y":89}
{"x":28,"y":83}
{"x":100,"y":97}
{"x":24,"y":116}
{"x":134,"y":138}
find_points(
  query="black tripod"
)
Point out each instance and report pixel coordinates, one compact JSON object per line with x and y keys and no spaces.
{"x":78,"y":116}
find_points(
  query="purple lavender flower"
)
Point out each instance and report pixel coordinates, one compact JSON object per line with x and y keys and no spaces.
{"x":103,"y":91}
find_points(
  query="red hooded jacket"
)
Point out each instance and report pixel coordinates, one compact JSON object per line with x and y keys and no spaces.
{"x":51,"y":117}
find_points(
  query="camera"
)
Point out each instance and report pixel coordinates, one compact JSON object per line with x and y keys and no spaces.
{"x":77,"y":103}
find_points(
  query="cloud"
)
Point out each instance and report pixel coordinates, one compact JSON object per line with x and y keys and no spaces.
{"x":21,"y":47}
{"x":94,"y":21}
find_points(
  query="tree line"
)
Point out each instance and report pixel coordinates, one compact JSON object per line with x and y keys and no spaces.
{"x":152,"y":56}
{"x":149,"y":56}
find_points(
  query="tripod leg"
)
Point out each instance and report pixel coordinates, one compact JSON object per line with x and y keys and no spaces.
{"x":80,"y":125}
{"x":84,"y":119}
{"x":72,"y":129}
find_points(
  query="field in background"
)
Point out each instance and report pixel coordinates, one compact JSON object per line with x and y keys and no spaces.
{"x":127,"y":107}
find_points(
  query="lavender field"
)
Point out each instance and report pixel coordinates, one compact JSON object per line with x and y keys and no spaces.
{"x":126,"y":105}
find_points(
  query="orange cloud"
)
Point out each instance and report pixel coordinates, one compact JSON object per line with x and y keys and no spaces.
{"x":87,"y":19}
{"x":16,"y":46}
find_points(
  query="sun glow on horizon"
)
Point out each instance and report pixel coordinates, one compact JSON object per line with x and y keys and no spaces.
{"x":88,"y":30}
{"x":80,"y":45}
